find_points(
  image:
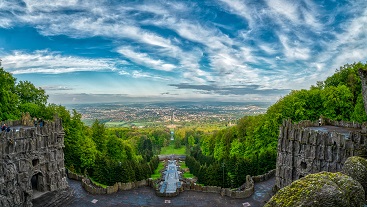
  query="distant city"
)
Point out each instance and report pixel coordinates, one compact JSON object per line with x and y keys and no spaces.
{"x":173,"y":113}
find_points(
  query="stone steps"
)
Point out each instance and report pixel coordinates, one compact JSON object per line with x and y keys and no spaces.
{"x":54,"y":198}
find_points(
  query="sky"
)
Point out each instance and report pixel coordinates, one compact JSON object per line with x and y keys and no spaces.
{"x":83,"y":51}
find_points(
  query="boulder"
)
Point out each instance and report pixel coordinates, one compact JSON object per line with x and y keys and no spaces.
{"x":356,"y":167}
{"x":322,"y":189}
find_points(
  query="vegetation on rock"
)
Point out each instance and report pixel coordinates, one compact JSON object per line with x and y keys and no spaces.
{"x":322,"y":189}
{"x":356,"y":167}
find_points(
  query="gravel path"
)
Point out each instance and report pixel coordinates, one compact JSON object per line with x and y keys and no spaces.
{"x":145,"y":196}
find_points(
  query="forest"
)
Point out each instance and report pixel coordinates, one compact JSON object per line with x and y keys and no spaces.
{"x":221,"y":157}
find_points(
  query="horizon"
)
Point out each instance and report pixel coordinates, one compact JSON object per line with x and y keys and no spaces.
{"x":221,"y":50}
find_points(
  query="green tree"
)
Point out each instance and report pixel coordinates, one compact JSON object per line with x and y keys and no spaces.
{"x":337,"y":102}
{"x":9,"y":99}
{"x":28,"y":93}
{"x":98,"y":135}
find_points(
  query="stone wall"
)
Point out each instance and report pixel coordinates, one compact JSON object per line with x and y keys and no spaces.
{"x":93,"y":189}
{"x":31,"y":159}
{"x":74,"y":176}
{"x":264,"y":177}
{"x":248,"y":187}
{"x":171,"y":157}
{"x":233,"y":193}
{"x":302,"y":151}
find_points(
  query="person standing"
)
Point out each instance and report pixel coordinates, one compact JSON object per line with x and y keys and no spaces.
{"x":3,"y":128}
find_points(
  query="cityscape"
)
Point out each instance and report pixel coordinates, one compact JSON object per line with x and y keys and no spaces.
{"x":158,"y":114}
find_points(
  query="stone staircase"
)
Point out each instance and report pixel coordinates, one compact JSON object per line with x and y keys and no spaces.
{"x":54,"y":198}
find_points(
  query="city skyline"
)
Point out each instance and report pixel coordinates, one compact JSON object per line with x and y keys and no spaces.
{"x":221,"y":50}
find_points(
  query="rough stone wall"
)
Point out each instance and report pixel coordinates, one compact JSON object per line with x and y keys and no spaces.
{"x":302,"y":151}
{"x":31,"y":159}
{"x":93,"y":189}
{"x":363,"y":75}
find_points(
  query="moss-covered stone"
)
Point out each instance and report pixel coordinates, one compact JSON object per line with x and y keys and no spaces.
{"x":356,"y":167}
{"x":322,"y":189}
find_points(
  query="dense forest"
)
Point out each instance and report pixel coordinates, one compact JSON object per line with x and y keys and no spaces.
{"x":221,"y":157}
{"x":225,"y":157}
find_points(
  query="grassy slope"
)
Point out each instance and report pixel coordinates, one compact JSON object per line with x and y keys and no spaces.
{"x":170,"y":149}
{"x":157,"y":172}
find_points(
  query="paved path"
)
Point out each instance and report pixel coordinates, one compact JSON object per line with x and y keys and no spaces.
{"x":145,"y":196}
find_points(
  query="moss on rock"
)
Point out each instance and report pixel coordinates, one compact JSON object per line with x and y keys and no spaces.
{"x":322,"y":189}
{"x":356,"y":167}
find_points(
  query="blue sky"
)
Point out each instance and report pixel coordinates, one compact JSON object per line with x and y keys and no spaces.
{"x":222,"y":50}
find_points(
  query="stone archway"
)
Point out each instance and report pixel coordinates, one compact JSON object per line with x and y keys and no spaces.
{"x":37,"y":184}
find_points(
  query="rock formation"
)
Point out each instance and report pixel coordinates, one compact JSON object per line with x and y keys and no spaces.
{"x":356,"y":167}
{"x":323,"y":189}
{"x":303,"y":150}
{"x":31,"y":160}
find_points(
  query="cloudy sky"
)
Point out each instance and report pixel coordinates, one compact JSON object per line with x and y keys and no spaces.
{"x":227,"y":50}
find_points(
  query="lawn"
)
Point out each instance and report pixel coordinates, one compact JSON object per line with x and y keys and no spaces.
{"x":97,"y":183}
{"x":157,"y":173}
{"x":186,"y":174}
{"x":170,"y":150}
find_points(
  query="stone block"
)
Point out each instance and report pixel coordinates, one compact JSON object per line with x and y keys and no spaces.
{"x":53,"y":187}
{"x":329,"y":154}
{"x":324,"y":166}
{"x":307,"y":151}
{"x":312,"y":137}
{"x":296,"y":148}
{"x":319,"y":138}
{"x":292,"y":134}
{"x":313,"y":153}
{"x":23,"y":165}
{"x":349,"y":145}
{"x":288,"y":160}
{"x":290,"y":146}
{"x":320,"y":152}
{"x":284,"y":145}
{"x":301,"y":150}
{"x":315,"y":166}
{"x":332,"y":167}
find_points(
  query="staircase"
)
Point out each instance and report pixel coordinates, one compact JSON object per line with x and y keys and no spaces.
{"x":54,"y":198}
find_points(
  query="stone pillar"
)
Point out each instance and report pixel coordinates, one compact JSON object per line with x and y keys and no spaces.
{"x":363,"y":75}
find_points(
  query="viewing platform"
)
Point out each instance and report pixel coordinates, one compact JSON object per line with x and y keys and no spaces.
{"x":338,"y":129}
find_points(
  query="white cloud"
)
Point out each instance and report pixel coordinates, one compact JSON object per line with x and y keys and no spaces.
{"x":50,"y":6}
{"x":288,"y":9}
{"x":145,"y":60}
{"x":267,"y":48}
{"x":294,"y":50}
{"x":52,"y":63}
{"x":349,"y":45}
{"x":240,"y":8}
